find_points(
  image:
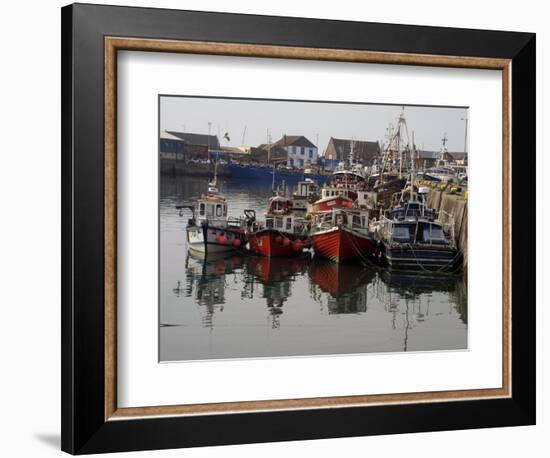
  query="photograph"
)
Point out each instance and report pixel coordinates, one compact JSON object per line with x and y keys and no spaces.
{"x":295,"y":228}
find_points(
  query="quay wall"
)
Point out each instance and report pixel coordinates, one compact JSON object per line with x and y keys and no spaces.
{"x":457,"y":206}
{"x":175,"y":167}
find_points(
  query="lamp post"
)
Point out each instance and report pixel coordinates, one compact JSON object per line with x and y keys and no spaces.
{"x":465,"y":136}
{"x":208,"y":140}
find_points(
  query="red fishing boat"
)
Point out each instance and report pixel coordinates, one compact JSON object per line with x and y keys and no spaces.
{"x":282,"y":234}
{"x":342,"y":234}
{"x":340,"y":191}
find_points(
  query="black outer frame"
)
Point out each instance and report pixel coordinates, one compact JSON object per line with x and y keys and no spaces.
{"x":84,"y":429}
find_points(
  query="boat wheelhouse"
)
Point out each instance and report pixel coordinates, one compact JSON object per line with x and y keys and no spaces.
{"x":306,"y":192}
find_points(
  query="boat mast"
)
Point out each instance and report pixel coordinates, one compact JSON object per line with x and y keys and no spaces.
{"x":387,"y":152}
{"x":399,"y":151}
{"x":212,"y":186}
{"x":413,"y":154}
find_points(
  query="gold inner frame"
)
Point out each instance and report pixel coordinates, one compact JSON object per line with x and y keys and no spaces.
{"x":114,"y":44}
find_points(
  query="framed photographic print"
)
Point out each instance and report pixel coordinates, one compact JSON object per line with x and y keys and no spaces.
{"x":273,"y":221}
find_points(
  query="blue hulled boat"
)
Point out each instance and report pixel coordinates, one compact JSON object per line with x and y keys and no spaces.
{"x":257,"y":172}
{"x":413,"y":237}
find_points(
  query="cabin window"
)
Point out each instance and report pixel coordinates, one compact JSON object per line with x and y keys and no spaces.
{"x":269,"y":223}
{"x":357,"y":220}
{"x":288,"y":224}
{"x":401,"y":233}
{"x":210,"y":210}
{"x":433,"y":234}
{"x":218,"y":210}
{"x":279,"y":223}
{"x":201,"y":209}
{"x":277,"y":205}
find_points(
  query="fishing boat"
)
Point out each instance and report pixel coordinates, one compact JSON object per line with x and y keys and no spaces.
{"x":210,"y":230}
{"x":416,"y":237}
{"x":342,"y":234}
{"x":440,"y":174}
{"x":342,"y":189}
{"x":443,"y":170}
{"x":282,"y":234}
{"x":390,"y":176}
{"x":416,"y":242}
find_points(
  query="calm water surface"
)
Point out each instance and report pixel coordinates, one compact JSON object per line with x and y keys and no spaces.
{"x":236,"y":306}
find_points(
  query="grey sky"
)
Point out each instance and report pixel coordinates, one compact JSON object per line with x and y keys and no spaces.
{"x":317,"y":121}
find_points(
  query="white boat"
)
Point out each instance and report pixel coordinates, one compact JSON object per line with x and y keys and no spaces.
{"x":440,"y":173}
{"x":210,"y":230}
{"x":306,"y":192}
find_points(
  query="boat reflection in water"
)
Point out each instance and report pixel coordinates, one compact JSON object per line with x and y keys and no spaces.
{"x":298,"y":298}
{"x":411,"y":288}
{"x":271,"y":279}
{"x":206,"y":280}
{"x":342,"y":288}
{"x":411,"y":297}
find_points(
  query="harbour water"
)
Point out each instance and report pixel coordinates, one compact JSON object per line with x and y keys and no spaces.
{"x":237,"y":306}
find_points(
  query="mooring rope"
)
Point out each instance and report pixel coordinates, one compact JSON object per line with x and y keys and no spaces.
{"x":451,"y":261}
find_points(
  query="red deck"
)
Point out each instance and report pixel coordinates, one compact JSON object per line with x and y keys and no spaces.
{"x":340,"y":245}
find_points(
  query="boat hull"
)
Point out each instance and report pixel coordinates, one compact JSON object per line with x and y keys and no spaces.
{"x":421,"y":258}
{"x":266,"y":173}
{"x":207,"y":239}
{"x":341,"y":244}
{"x":274,"y":244}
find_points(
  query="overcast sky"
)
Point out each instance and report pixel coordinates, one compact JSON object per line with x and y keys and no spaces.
{"x":316,"y":121}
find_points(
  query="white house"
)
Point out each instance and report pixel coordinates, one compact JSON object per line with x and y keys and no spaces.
{"x":300,"y":151}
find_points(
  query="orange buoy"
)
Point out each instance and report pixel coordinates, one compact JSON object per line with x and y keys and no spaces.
{"x":236,"y":243}
{"x":221,"y":239}
{"x":286,"y":242}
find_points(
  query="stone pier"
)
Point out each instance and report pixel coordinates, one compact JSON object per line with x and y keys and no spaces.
{"x":457,"y":206}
